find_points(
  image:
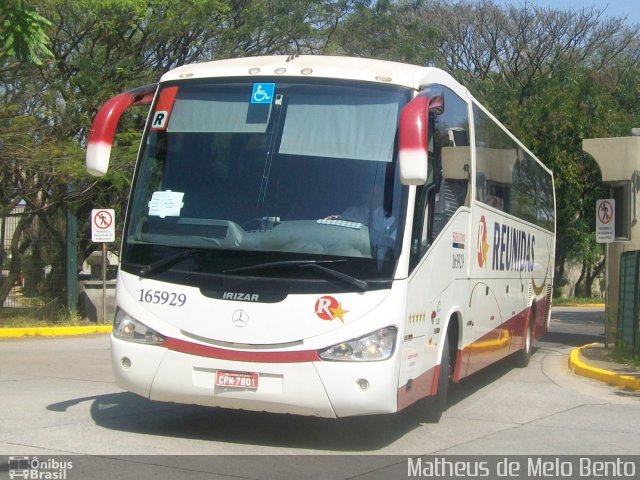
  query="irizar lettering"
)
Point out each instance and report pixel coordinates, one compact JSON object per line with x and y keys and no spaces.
{"x":245,"y":297}
{"x":513,"y":249}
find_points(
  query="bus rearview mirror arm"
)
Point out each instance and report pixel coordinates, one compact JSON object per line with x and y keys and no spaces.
{"x":104,"y":126}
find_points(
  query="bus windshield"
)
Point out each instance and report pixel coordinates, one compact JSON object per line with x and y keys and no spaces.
{"x":252,"y":172}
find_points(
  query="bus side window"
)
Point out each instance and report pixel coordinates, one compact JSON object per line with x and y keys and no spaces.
{"x":454,"y":187}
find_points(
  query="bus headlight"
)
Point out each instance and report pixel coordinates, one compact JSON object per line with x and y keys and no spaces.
{"x":374,"y":346}
{"x":125,"y":327}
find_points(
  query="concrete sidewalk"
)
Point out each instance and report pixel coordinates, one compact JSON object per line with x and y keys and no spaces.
{"x":592,"y":361}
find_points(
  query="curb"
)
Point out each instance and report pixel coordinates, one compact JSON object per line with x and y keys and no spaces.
{"x":578,"y":366}
{"x":53,"y":331}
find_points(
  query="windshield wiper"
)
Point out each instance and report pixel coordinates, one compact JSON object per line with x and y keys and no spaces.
{"x":317,"y":264}
{"x":166,"y":262}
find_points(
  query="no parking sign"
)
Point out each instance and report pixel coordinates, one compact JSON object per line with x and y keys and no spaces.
{"x":103,"y":225}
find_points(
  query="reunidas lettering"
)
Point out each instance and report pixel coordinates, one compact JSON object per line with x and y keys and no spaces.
{"x":513,"y":249}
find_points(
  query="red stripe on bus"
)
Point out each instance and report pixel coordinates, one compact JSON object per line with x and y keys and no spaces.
{"x":240,"y":355}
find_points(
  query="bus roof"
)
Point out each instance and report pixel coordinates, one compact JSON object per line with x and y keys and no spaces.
{"x":380,"y":71}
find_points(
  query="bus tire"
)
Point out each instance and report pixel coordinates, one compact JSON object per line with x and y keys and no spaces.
{"x":438,"y":404}
{"x":524,"y":354}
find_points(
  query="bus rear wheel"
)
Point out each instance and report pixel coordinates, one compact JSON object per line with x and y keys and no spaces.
{"x":524,"y":354}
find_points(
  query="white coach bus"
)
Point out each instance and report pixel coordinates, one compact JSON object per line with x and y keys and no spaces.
{"x":323,"y":236}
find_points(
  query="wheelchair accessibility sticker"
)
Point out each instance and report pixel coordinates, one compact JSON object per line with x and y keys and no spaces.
{"x":263,"y":93}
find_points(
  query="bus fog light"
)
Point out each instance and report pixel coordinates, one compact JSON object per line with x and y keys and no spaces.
{"x":125,"y":327}
{"x":378,"y":345}
{"x":363,"y":383}
{"x":125,"y":363}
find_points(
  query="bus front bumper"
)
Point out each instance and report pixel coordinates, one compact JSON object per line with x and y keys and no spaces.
{"x":313,"y":388}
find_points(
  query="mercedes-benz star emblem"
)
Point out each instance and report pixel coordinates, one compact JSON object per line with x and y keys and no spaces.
{"x":240,"y":318}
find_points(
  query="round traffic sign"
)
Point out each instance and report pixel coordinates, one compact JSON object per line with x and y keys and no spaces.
{"x":605,"y":212}
{"x":102,"y":219}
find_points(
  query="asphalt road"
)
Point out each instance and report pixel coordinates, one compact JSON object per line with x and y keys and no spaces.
{"x":575,"y":326}
{"x":57,"y":398}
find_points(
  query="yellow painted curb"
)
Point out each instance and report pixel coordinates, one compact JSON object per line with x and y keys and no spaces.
{"x":53,"y":331}
{"x":581,"y":368}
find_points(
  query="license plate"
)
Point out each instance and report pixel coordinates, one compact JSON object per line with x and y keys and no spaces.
{"x":237,"y":380}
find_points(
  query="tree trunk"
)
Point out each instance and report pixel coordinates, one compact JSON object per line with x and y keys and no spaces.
{"x":592,"y":275}
{"x":558,"y":278}
{"x":578,"y":285}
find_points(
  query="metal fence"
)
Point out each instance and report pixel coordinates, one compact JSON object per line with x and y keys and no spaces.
{"x":629,"y":302}
{"x":32,"y":265}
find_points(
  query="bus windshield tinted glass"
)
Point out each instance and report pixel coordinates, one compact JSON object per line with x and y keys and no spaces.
{"x":295,"y":168}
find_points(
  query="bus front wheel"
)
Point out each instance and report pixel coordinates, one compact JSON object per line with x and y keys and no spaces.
{"x":438,"y":404}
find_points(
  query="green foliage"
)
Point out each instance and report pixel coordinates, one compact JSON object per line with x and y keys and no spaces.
{"x":386,"y":30}
{"x":23,"y":32}
{"x":624,"y":355}
{"x":19,"y":319}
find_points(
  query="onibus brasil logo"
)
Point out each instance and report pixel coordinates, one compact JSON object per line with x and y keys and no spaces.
{"x":36,"y":469}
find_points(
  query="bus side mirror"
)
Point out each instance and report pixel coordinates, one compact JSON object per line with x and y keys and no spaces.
{"x":104,"y":126}
{"x":413,"y":141}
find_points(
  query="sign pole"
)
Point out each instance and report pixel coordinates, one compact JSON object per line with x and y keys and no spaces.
{"x":606,"y":296}
{"x":104,"y":282}
{"x":103,"y":231}
{"x":605,"y":233}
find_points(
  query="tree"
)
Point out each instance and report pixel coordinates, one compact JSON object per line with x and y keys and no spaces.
{"x":386,"y":30}
{"x":23,"y":33}
{"x":98,"y":49}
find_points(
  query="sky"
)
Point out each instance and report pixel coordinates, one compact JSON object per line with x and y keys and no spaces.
{"x":614,"y":8}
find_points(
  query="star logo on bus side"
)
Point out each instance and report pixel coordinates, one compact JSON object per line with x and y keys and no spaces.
{"x":485,"y":249}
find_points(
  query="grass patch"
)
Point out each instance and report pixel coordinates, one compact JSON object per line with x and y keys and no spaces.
{"x":15,"y":318}
{"x":622,"y":354}
{"x":569,"y":301}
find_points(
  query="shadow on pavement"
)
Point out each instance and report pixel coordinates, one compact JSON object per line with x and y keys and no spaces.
{"x":131,"y":413}
{"x":571,"y":339}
